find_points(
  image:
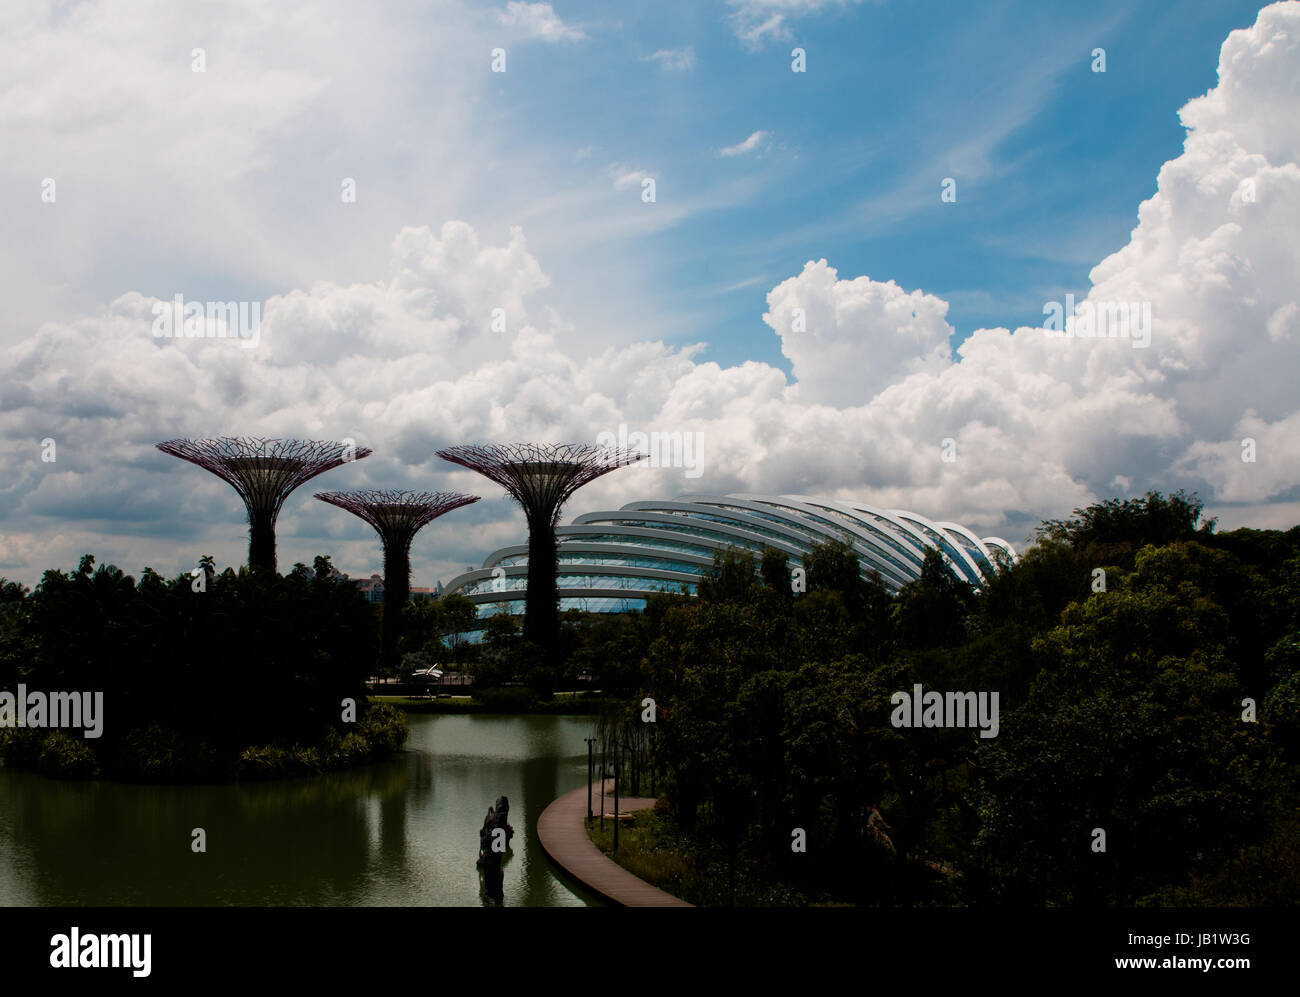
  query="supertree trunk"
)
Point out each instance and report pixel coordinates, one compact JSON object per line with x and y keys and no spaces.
{"x":397,"y":590}
{"x":396,"y":516}
{"x":261,"y":543}
{"x":542,"y":601}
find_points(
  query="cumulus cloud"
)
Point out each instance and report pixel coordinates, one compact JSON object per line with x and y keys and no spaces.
{"x":423,"y":358}
{"x":847,"y":340}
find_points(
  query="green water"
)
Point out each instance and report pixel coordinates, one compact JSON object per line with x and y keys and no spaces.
{"x":401,"y":833}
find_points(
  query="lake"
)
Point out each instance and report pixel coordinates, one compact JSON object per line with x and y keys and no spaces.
{"x":399,"y":833}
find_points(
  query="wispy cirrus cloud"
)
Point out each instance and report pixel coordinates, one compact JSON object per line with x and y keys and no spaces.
{"x":757,"y":22}
{"x":673,"y":59}
{"x":755,"y":141}
{"x":626,"y":176}
{"x":539,"y":21}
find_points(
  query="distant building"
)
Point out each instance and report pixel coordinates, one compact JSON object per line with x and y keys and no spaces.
{"x":373,"y":589}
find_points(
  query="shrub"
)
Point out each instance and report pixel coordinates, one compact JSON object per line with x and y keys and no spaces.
{"x":151,"y":753}
{"x":161,"y":754}
{"x":273,"y":762}
{"x":21,"y":746}
{"x":384,"y":728}
{"x":350,"y":749}
{"x":354,"y":748}
{"x":67,"y":757}
{"x":382,"y":731}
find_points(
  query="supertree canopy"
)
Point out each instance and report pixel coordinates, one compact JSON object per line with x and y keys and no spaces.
{"x":541,"y":478}
{"x":264,"y":472}
{"x":396,"y":516}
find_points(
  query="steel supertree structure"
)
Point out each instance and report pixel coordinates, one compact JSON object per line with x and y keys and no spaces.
{"x":263,"y":472}
{"x":396,"y":516}
{"x":541,"y":478}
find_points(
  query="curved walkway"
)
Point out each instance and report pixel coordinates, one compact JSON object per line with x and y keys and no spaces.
{"x":562,"y":832}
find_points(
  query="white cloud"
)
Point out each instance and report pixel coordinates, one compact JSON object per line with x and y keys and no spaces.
{"x":538,"y":20}
{"x":1260,"y":461}
{"x":848,"y":340}
{"x":673,"y":59}
{"x":626,"y":176}
{"x":757,"y":22}
{"x":755,"y":140}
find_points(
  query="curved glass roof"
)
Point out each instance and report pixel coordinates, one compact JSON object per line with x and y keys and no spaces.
{"x":611,"y":561}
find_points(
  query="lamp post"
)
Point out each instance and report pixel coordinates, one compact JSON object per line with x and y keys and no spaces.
{"x":590,"y":741}
{"x":652,"y":763}
{"x":616,"y":769}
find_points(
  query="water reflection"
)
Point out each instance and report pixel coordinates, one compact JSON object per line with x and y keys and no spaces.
{"x":401,"y":833}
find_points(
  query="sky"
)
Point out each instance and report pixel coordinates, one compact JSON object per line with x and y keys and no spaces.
{"x":861,"y":214}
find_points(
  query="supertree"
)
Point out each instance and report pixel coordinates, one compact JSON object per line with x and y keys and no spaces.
{"x":541,"y":478}
{"x":397,"y":517}
{"x":264,"y":472}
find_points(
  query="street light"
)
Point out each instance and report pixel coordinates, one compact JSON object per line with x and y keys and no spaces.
{"x":590,"y":741}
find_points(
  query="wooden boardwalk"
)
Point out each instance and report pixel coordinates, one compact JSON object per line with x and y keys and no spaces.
{"x":562,"y":832}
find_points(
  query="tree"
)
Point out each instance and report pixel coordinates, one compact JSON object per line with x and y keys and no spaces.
{"x":215,"y":671}
{"x":1135,"y":728}
{"x":458,"y":615}
{"x":931,"y":611}
{"x":775,"y":571}
{"x":731,"y":578}
{"x":1113,"y":531}
{"x":12,"y":592}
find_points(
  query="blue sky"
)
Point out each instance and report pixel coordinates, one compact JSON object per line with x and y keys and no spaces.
{"x":1051,"y":159}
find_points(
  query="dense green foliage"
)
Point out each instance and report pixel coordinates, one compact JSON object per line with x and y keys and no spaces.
{"x":196,"y":670}
{"x":1121,"y":708}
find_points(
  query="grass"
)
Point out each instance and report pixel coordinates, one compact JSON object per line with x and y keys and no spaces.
{"x":416,"y":700}
{"x":647,"y":848}
{"x":561,"y":703}
{"x":653,"y":847}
